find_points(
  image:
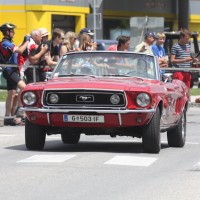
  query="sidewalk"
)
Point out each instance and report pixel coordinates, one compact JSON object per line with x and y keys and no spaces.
{"x":192,"y":103}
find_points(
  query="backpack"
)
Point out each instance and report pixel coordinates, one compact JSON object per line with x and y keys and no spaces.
{"x":5,"y":55}
{"x":2,"y":57}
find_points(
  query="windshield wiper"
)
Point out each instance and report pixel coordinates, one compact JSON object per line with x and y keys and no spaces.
{"x":71,"y":75}
{"x":117,"y":75}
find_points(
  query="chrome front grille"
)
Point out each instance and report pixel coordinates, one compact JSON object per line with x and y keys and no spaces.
{"x":84,"y":98}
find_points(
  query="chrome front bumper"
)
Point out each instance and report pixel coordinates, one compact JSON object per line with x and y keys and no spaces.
{"x":119,"y":112}
{"x":64,"y":110}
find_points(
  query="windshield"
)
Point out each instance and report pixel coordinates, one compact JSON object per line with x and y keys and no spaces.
{"x":106,"y":64}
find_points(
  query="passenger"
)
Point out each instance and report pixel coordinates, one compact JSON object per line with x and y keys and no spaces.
{"x":112,"y":47}
{"x":11,"y":74}
{"x":123,"y":43}
{"x":144,"y":69}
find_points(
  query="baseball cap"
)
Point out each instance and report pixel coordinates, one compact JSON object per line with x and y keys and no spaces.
{"x":150,"y":34}
{"x":87,"y":31}
{"x":44,"y":32}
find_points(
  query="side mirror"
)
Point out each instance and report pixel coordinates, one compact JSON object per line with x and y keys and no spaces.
{"x":167,"y":77}
{"x":48,"y":75}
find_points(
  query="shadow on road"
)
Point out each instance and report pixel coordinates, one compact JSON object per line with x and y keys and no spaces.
{"x":90,"y":146}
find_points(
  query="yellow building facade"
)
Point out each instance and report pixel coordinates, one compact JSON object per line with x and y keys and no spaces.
{"x":28,"y":17}
{"x":72,"y":14}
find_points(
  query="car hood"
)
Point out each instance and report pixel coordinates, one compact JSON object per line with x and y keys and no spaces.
{"x":87,"y":82}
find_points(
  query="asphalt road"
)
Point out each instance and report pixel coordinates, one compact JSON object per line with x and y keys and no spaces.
{"x":99,"y":168}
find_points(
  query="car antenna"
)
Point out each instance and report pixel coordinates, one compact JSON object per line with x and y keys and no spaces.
{"x":146,"y":20}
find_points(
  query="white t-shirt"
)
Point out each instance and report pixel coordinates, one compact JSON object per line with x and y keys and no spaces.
{"x":147,"y":47}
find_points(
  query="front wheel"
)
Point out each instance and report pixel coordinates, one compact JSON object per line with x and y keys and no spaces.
{"x":34,"y":136}
{"x":177,"y":136}
{"x":151,"y":135}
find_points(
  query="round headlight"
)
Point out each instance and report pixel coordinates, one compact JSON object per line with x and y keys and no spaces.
{"x":53,"y":98}
{"x":115,"y":99}
{"x":29,"y":98}
{"x":143,"y":99}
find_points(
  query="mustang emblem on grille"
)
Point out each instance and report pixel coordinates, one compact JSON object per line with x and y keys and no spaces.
{"x":84,"y":98}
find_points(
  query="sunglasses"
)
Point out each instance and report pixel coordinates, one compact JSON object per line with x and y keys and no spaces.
{"x":12,"y":31}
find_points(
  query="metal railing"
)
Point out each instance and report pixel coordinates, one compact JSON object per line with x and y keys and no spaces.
{"x":191,"y":69}
{"x":26,"y":66}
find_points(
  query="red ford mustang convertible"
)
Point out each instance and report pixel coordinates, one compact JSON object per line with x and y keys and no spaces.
{"x":106,"y":93}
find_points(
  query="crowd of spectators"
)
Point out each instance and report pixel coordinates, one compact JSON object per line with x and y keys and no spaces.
{"x":37,"y":49}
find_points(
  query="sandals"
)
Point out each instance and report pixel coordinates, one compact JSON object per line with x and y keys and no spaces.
{"x":19,"y":120}
{"x":13,"y":122}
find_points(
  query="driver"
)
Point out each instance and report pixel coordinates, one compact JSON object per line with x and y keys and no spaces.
{"x":143,"y":69}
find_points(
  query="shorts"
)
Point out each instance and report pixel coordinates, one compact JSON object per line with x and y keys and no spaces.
{"x":12,"y":77}
{"x":183,"y":76}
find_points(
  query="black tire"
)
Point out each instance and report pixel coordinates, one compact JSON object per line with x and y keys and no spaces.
{"x":34,"y":136}
{"x":151,"y":135}
{"x":177,"y":136}
{"x":70,"y":136}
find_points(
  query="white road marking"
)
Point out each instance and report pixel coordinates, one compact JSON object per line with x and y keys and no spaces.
{"x":192,"y":143}
{"x":54,"y":137}
{"x":7,"y":135}
{"x":196,"y":167}
{"x":131,"y":160}
{"x":47,"y":158}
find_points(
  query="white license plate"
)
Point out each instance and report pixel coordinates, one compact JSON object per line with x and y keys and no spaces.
{"x":83,"y":118}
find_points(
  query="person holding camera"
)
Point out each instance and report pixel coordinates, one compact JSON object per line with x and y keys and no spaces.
{"x":33,"y":55}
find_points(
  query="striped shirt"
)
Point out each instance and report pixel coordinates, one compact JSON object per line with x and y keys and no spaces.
{"x":181,"y":52}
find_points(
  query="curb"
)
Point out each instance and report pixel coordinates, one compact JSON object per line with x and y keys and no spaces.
{"x":194,"y":105}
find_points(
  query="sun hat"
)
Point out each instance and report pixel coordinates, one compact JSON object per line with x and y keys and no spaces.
{"x":44,"y":32}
